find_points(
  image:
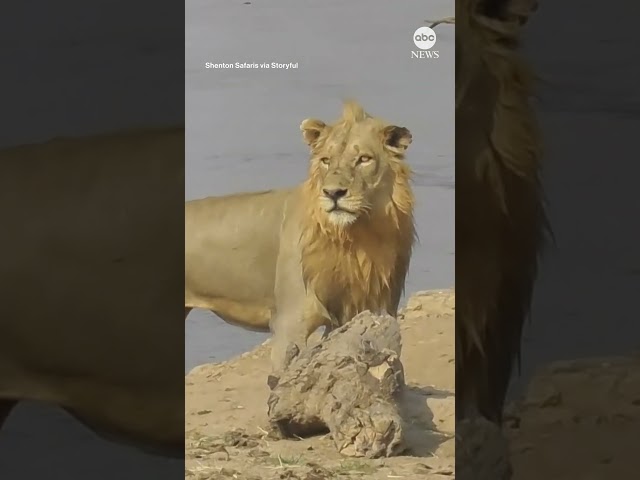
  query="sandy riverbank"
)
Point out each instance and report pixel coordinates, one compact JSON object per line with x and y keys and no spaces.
{"x":577,"y":420}
{"x":226,"y":412}
{"x":580,"y":420}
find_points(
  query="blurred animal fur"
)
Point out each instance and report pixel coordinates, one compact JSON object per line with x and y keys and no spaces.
{"x":89,"y":275}
{"x":500,"y":220}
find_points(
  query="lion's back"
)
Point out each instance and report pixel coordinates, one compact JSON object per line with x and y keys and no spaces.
{"x":232,"y":244}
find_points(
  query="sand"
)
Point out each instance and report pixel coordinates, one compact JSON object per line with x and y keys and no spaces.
{"x":579,"y":420}
{"x":226,"y":419}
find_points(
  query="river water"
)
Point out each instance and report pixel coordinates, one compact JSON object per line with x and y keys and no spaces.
{"x":585,"y":302}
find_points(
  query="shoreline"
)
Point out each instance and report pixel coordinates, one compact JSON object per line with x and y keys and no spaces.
{"x":590,"y":404}
{"x":225,"y":418}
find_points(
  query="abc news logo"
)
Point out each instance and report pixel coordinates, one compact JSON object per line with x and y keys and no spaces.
{"x":425,"y":39}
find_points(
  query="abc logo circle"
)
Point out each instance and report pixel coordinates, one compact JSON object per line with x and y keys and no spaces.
{"x":424,"y":38}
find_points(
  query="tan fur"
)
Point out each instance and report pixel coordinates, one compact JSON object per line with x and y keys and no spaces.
{"x":295,"y":267}
{"x":89,"y":282}
{"x":500,"y":220}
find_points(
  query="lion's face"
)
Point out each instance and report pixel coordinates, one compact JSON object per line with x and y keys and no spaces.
{"x":352,"y":166}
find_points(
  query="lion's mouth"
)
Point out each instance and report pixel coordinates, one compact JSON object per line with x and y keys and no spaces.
{"x":340,"y":216}
{"x":338,"y":213}
{"x":338,"y":208}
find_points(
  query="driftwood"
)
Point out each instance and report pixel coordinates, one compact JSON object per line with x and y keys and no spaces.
{"x":349,"y":385}
{"x":482,"y":451}
{"x":446,"y":20}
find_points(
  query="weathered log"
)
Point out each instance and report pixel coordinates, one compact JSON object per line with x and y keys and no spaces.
{"x":482,"y":452}
{"x":348,"y":384}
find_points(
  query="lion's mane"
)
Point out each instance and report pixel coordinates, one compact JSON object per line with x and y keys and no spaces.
{"x":500,"y":218}
{"x":360,"y":260}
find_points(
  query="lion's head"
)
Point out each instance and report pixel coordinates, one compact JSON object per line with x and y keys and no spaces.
{"x":357,"y":169}
{"x":358,"y":229}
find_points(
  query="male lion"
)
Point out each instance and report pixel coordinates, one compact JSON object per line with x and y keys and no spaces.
{"x":315,"y":255}
{"x":500,"y":219}
{"x":91,"y":279}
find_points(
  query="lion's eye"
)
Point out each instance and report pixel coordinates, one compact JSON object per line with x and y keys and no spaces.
{"x":364,"y":159}
{"x":324,"y":161}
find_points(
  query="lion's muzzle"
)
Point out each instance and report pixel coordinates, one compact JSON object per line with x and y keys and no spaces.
{"x":334,"y":193}
{"x":333,"y":202}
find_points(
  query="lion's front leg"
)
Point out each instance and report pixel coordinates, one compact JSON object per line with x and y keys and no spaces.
{"x":287,"y":341}
{"x":291,"y":330}
{"x":295,"y":316}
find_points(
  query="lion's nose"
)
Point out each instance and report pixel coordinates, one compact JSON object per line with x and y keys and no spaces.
{"x":335,"y":193}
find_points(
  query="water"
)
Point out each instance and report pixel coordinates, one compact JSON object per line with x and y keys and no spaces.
{"x":243,"y":125}
{"x":589,"y":109}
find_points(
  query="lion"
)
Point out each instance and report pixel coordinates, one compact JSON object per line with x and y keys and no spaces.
{"x":91,"y":282}
{"x":501,"y":224}
{"x":293,"y":260}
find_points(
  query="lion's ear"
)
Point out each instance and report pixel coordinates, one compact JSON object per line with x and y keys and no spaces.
{"x":396,"y":139}
{"x":311,"y":130}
